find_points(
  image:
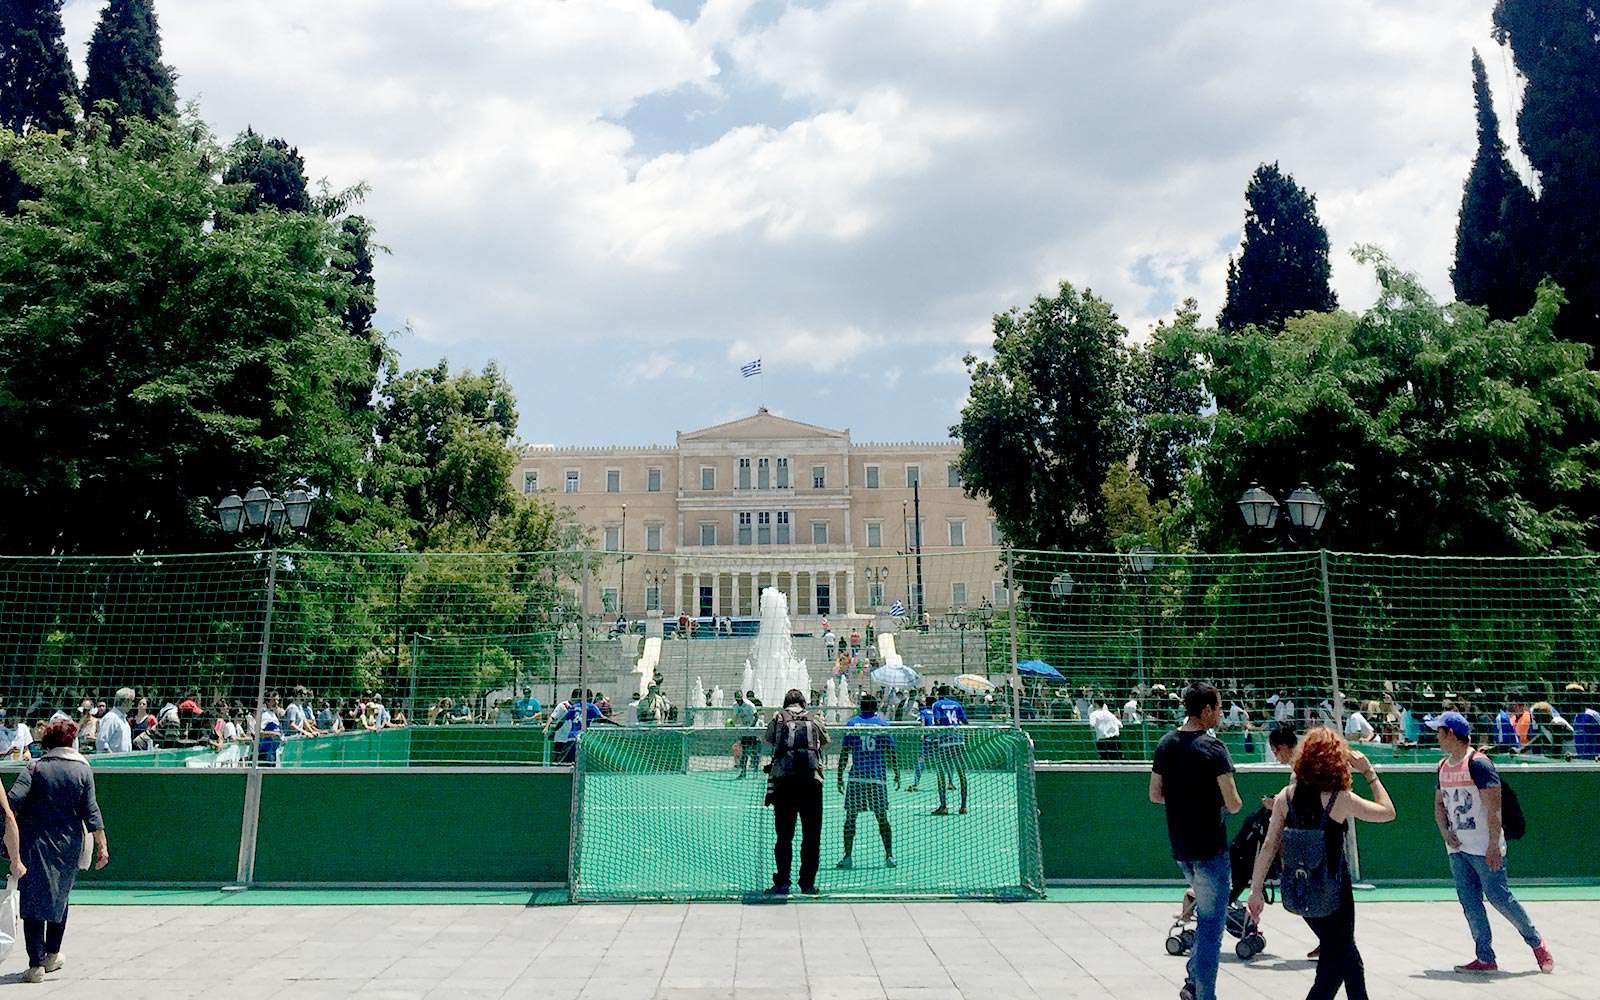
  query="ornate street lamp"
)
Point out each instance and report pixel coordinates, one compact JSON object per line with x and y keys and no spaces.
{"x":1305,"y":509}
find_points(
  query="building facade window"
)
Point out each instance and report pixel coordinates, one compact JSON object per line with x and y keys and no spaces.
{"x":994,"y":533}
{"x":952,"y":476}
{"x":819,"y":477}
{"x":958,"y":595}
{"x":783,"y":473}
{"x":572,"y":481}
{"x":613,"y":480}
{"x":874,"y":534}
{"x":819,"y":532}
{"x":744,"y":527}
{"x":913,"y":475}
{"x":763,"y":473}
{"x":875,"y":594}
{"x":824,"y":599}
{"x":530,"y":482}
{"x":958,"y":532}
{"x":608,"y":599}
{"x":872,"y":477}
{"x":613,"y":538}
{"x":783,"y":527}
{"x":764,"y":527}
{"x":708,"y":533}
{"x":708,"y":477}
{"x":652,"y":538}
{"x":1002,"y":596}
{"x":652,"y":481}
{"x":652,"y":598}
{"x":744,"y":473}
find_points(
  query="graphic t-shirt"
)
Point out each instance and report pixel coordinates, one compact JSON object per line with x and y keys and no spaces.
{"x":869,"y":751}
{"x":1189,"y":763}
{"x":948,"y":717}
{"x":1462,"y":784}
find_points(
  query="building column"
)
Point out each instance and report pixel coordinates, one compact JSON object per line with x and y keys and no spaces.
{"x":850,"y":590}
{"x":794,"y":594}
{"x":686,"y":588}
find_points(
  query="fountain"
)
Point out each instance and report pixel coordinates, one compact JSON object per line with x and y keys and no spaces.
{"x":772,"y":668}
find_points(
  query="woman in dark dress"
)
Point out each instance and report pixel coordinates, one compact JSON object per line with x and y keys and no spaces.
{"x":1320,"y":795}
{"x":55,"y":806}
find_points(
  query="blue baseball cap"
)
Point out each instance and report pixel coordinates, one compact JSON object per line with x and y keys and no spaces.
{"x":1453,"y":721}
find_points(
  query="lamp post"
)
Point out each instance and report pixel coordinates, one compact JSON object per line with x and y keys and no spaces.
{"x":961,"y":620}
{"x":622,"y":569}
{"x":1289,"y":524}
{"x":259,"y":510}
{"x":653,"y":580}
{"x":877,"y":584}
{"x":1141,"y":560}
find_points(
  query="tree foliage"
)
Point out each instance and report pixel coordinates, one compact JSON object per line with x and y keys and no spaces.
{"x":1495,"y":247}
{"x":274,"y":170}
{"x":1556,"y":47}
{"x":1428,"y":428}
{"x":1046,"y":418}
{"x":1166,"y":393}
{"x":159,"y":346}
{"x":124,"y":64}
{"x":36,"y":78}
{"x":1282,"y":268}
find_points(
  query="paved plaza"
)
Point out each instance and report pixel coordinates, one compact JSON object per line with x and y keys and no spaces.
{"x":826,"y":951}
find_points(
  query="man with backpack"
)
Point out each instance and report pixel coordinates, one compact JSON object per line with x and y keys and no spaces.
{"x":794,"y":790}
{"x":1475,"y":811}
{"x":1193,"y":778}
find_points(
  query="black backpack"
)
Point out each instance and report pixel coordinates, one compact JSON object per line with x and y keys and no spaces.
{"x":1311,"y":883}
{"x":796,"y":753}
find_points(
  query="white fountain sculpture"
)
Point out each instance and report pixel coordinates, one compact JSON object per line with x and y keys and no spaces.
{"x":772,"y":668}
{"x":716,"y":697}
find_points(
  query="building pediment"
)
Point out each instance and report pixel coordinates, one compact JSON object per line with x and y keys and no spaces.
{"x":762,"y":426}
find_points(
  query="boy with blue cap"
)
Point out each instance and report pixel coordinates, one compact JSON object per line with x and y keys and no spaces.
{"x":1466,"y":805}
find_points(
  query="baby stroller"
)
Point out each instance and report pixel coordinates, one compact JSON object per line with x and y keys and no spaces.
{"x":1242,"y":860}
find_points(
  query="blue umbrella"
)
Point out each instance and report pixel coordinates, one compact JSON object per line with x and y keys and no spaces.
{"x":896,"y":675}
{"x":1039,"y":668}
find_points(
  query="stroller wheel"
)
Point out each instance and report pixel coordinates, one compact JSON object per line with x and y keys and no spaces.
{"x":1188,"y":940}
{"x":1174,"y":944}
{"x":1243,"y":950}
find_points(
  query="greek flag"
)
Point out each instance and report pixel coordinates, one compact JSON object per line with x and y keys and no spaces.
{"x":753,"y":368}
{"x":897,"y":610}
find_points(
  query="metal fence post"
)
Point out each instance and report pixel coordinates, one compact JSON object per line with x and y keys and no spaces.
{"x":1333,"y":658}
{"x":266,"y":644}
{"x":1011,"y":618}
{"x":583,"y":630}
{"x":244,"y":872}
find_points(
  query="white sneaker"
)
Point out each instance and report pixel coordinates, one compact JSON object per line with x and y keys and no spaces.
{"x":845,"y":864}
{"x":53,"y":963}
{"x":35,"y":974}
{"x":889,"y":862}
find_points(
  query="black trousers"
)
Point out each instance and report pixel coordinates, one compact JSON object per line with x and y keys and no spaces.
{"x":799,"y":799}
{"x":1339,"y":961}
{"x":1110,"y":749}
{"x":42,"y":938}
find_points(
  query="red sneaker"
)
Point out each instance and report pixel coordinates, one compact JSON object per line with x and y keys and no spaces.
{"x":1547,"y":962}
{"x":1478,"y":965}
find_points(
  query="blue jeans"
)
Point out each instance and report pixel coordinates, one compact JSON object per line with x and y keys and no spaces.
{"x":1210,"y":880}
{"x":1474,"y":881}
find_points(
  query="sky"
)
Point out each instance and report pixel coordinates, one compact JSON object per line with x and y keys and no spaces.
{"x":621,"y":202}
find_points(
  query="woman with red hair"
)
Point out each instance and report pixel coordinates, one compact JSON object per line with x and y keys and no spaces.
{"x":55,"y":804}
{"x":1320,"y":796}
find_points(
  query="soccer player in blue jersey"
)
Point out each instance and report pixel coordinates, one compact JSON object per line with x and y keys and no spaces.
{"x":867,"y":738}
{"x":949,"y":749}
{"x":925,"y":742}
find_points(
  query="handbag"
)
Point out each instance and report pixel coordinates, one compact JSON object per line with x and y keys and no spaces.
{"x":10,"y":918}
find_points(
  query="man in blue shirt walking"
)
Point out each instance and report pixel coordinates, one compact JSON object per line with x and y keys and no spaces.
{"x":868,"y":740}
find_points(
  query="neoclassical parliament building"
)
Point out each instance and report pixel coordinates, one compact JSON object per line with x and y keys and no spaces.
{"x":764,"y":501}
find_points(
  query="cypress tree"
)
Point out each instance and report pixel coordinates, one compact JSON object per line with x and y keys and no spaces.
{"x":274,"y":169}
{"x":1493,"y":236}
{"x":1282,"y":268}
{"x":1556,"y":47}
{"x":125,"y":64}
{"x":36,"y":76}
{"x":355,"y":263}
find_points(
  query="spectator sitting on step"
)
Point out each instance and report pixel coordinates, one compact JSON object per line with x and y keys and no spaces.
{"x":14,"y":737}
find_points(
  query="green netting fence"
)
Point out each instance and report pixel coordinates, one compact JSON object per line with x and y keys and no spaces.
{"x":484,"y":644}
{"x":642,"y":797}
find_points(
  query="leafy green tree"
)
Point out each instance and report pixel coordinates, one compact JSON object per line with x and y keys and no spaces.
{"x":354,"y":262}
{"x":124,"y":64}
{"x":1166,"y":392}
{"x":1046,"y":419}
{"x":444,"y":456}
{"x":1428,"y":428}
{"x":1494,"y":237}
{"x":274,"y":170}
{"x":159,"y":346}
{"x":1556,"y":47}
{"x":36,"y":78}
{"x":1282,"y":268}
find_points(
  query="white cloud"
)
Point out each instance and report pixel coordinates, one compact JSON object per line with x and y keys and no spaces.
{"x":884,"y":174}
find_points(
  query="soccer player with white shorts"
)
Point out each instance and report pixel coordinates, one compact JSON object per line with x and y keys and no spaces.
{"x":867,"y":739}
{"x":949,"y":750}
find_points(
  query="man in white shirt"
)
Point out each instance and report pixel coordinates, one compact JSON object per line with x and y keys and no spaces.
{"x":14,"y":738}
{"x":1235,"y":717}
{"x":1130,"y":710}
{"x":115,"y":736}
{"x":1282,"y":707}
{"x":1107,"y":729}
{"x":1358,"y":729}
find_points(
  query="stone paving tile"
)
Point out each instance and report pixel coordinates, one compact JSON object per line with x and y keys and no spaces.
{"x":932,"y":951}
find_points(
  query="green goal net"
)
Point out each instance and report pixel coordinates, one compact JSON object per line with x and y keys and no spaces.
{"x":666,"y":814}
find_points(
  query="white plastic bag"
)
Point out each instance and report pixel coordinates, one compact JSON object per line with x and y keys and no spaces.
{"x":10,"y":918}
